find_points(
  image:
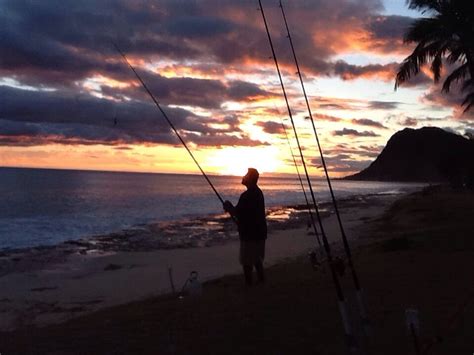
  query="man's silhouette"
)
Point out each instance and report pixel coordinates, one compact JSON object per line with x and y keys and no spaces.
{"x":252,"y":225}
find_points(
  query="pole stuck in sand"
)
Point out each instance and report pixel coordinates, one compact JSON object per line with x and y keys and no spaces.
{"x":359,"y":294}
{"x":351,"y":343}
{"x":169,"y":122}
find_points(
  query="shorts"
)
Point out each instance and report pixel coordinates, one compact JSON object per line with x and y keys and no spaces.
{"x":252,"y":251}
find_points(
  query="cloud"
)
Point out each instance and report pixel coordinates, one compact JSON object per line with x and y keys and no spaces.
{"x":194,"y":27}
{"x":342,"y":163}
{"x":421,"y":79}
{"x":348,"y":71}
{"x":383,"y":105}
{"x":360,"y":151}
{"x":354,"y":133}
{"x":63,"y":118}
{"x":410,"y":122}
{"x":195,"y":56}
{"x":271,"y":127}
{"x":387,"y":32}
{"x":329,"y":118}
{"x":205,"y":93}
{"x":367,"y":122}
{"x":452,"y":100}
{"x":337,"y":103}
{"x":75,"y":41}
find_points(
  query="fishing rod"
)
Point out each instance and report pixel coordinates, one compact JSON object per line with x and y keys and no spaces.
{"x":302,"y":186}
{"x":347,"y":249}
{"x":169,"y":122}
{"x":341,"y":300}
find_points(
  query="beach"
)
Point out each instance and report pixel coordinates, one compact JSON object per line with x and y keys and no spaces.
{"x":291,"y":177}
{"x":402,"y":253}
{"x":45,"y":285}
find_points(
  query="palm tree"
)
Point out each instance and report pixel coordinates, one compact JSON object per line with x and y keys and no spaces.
{"x":447,"y":35}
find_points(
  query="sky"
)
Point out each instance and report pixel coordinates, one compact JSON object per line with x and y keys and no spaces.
{"x":68,"y":101}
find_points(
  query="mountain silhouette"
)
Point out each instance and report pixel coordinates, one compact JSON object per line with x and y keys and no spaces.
{"x":428,"y":154}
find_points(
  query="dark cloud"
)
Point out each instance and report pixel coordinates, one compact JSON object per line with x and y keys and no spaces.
{"x":383,"y":105}
{"x":365,"y":151}
{"x":57,"y":42}
{"x":349,"y":71}
{"x":367,"y":122}
{"x":62,"y":117}
{"x":198,"y":26}
{"x":386,"y":34}
{"x":320,"y":116}
{"x":453,"y":100}
{"x":421,"y":79}
{"x":355,"y":133}
{"x":342,"y":163}
{"x":390,"y":28}
{"x":216,"y":139}
{"x":334,"y":106}
{"x":205,"y":93}
{"x":351,"y":166}
{"x":409,"y":122}
{"x":271,"y":127}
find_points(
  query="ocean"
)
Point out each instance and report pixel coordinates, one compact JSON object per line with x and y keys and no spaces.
{"x":46,"y":207}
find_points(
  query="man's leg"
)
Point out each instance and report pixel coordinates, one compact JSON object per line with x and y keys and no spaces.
{"x":248,"y":274}
{"x":260,"y":272}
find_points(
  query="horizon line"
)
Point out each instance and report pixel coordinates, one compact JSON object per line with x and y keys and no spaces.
{"x":270,"y":174}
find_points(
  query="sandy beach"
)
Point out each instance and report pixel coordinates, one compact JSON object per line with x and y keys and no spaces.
{"x":41,"y":286}
{"x":412,"y":252}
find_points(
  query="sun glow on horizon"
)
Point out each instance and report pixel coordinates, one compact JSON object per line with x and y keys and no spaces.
{"x":236,"y":160}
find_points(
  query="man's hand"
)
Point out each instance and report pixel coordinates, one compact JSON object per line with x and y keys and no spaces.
{"x":228,"y":206}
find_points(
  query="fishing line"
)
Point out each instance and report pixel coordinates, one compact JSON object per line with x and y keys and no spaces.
{"x":342,"y":304}
{"x":169,"y":122}
{"x":347,"y":249}
{"x":310,"y":212}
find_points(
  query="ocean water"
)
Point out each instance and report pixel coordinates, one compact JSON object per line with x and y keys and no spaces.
{"x":46,"y":207}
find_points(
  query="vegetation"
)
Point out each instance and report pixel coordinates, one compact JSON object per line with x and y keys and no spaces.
{"x":447,"y":35}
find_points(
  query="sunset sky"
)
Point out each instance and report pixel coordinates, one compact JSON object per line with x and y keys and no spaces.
{"x":63,"y":86}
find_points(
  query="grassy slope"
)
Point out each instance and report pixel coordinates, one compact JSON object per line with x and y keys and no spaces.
{"x":421,"y":256}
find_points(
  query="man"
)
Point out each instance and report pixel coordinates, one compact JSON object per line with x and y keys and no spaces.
{"x":252,"y":225}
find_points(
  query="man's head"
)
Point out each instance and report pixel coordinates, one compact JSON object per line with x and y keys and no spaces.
{"x":251,"y":178}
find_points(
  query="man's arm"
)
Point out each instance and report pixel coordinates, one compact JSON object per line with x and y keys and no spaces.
{"x":229,"y":207}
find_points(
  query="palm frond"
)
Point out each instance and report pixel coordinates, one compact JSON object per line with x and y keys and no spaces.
{"x":411,"y":65}
{"x":422,"y":54}
{"x":444,"y":37}
{"x":469,"y":83}
{"x":468,"y":101}
{"x":425,"y":29}
{"x":436,"y":66}
{"x":457,"y":74}
{"x":457,"y":53}
{"x":424,"y":5}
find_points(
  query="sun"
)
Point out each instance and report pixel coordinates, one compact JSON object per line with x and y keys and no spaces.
{"x":236,"y":160}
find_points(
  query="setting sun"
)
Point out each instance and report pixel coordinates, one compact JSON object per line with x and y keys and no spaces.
{"x":235,"y":161}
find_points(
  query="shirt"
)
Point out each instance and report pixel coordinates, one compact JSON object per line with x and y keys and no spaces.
{"x":250,"y":213}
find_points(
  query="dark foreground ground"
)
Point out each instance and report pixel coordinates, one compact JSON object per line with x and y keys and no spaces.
{"x":420,"y":254}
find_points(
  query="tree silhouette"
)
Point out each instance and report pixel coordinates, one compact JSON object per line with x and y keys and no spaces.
{"x":448,"y":34}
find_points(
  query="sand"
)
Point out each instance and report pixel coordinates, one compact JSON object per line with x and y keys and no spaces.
{"x":415,"y":253}
{"x":77,"y":284}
